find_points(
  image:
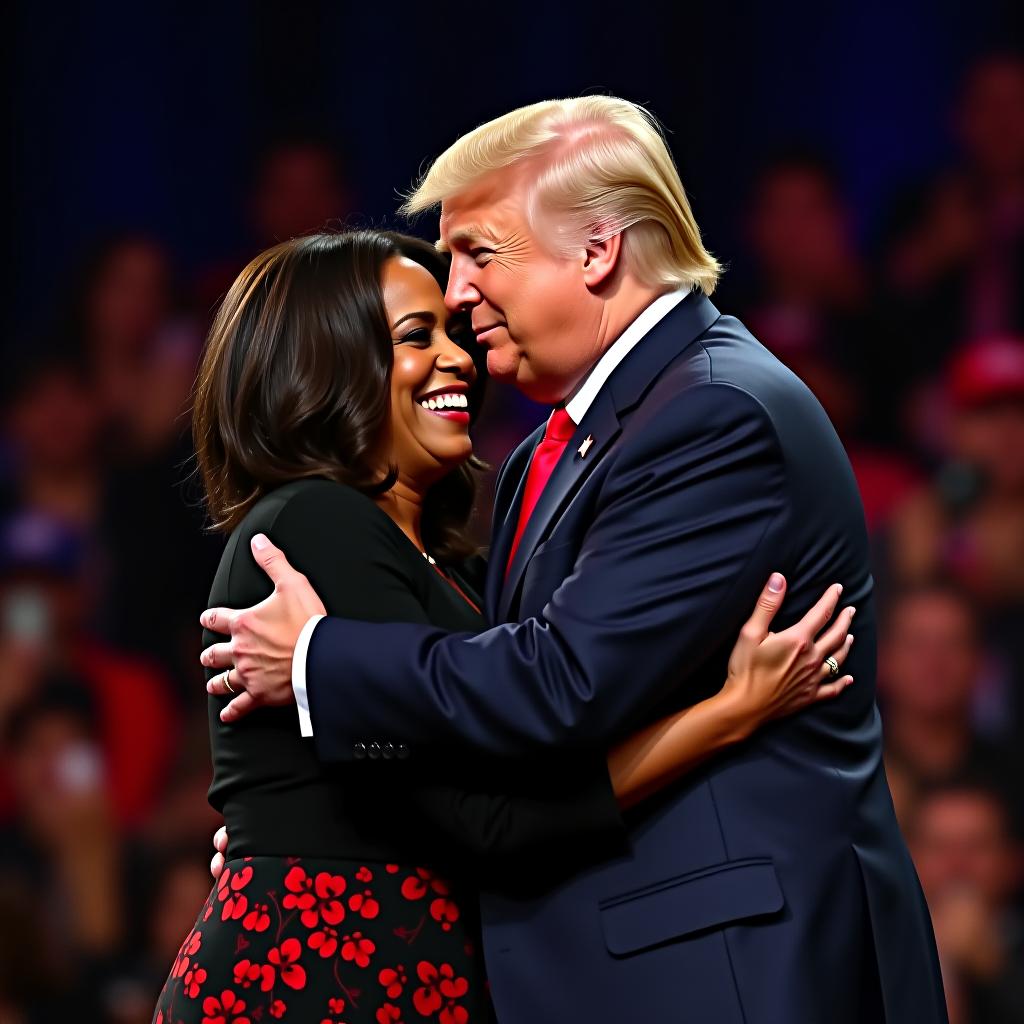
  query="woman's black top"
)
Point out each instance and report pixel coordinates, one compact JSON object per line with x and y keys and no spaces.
{"x":448,"y":807}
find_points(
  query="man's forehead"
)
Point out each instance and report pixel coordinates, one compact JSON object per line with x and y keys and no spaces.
{"x":487,"y":210}
{"x":456,"y":231}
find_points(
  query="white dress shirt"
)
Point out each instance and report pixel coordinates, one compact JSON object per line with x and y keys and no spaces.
{"x":576,"y":406}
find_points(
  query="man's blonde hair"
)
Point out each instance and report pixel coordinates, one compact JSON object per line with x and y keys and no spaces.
{"x":602,"y":168}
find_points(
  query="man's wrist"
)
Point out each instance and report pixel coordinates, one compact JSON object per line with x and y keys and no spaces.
{"x":299,"y":682}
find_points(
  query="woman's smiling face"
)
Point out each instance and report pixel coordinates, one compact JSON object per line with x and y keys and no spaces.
{"x":430,"y":379}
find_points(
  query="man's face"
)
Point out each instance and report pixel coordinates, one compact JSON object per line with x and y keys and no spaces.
{"x":530,"y":307}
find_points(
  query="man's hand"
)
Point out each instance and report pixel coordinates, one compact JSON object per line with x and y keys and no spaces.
{"x":263,"y":638}
{"x":220,"y":844}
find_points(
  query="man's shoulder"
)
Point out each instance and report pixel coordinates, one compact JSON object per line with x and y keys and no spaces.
{"x":727,"y":368}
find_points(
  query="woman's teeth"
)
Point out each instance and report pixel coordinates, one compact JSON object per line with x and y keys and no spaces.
{"x":445,"y":402}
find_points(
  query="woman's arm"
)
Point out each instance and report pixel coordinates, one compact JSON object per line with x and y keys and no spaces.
{"x":338,"y":538}
{"x":771,"y":675}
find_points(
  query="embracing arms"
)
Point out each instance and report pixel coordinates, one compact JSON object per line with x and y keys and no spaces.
{"x":692,"y":518}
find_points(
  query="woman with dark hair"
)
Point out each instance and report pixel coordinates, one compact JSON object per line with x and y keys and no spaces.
{"x":332,"y":413}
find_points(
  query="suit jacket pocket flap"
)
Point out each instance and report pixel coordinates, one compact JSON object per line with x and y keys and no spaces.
{"x":708,"y":898}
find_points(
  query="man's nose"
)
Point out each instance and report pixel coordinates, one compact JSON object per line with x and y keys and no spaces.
{"x":461,"y":293}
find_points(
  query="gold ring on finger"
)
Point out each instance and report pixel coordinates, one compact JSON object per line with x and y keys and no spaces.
{"x":833,"y":666}
{"x":227,"y":682}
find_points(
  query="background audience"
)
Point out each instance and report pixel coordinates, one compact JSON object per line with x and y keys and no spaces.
{"x":913,"y":340}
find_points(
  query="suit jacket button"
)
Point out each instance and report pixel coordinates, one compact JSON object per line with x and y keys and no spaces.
{"x":388,"y":750}
{"x":403,"y":751}
{"x":374,"y":750}
{"x":359,"y":751}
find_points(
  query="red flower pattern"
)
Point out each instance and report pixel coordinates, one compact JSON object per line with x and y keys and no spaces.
{"x":324,"y":941}
{"x":364,"y":904}
{"x":394,"y":980}
{"x":194,"y":979}
{"x":318,"y":901}
{"x":229,"y":893}
{"x":189,"y":948}
{"x":228,"y":1009}
{"x":247,"y":974}
{"x":258,"y":918}
{"x":358,"y":949}
{"x":286,"y":958}
{"x":444,"y":911}
{"x":315,"y":898}
{"x":441,"y":987}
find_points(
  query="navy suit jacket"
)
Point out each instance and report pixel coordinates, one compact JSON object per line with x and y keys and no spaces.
{"x":771,"y":886}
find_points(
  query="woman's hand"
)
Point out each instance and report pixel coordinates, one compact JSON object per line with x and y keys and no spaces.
{"x":772,"y":675}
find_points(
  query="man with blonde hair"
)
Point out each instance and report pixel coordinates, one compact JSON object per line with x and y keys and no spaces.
{"x":682,"y":463}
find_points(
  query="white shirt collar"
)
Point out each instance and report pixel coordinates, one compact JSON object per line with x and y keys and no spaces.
{"x":587,"y":391}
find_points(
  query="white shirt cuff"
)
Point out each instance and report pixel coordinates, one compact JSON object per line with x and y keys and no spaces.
{"x":299,"y":675}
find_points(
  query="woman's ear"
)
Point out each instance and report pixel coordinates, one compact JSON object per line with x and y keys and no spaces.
{"x":600,"y":258}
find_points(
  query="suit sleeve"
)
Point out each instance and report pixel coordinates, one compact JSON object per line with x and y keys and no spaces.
{"x":690,"y":521}
{"x":348,"y":551}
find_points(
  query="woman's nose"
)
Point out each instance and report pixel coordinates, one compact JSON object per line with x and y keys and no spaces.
{"x":455,"y":359}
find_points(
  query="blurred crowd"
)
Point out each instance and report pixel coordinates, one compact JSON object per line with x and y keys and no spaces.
{"x":910,"y":333}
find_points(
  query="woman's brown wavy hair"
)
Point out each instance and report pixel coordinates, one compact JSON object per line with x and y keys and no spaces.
{"x":295,"y":381}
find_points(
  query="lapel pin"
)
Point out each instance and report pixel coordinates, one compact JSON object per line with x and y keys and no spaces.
{"x":585,"y":447}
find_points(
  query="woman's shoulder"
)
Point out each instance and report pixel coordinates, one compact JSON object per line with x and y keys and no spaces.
{"x":330,"y":532}
{"x":318,"y":510}
{"x":313,"y":499}
{"x":318,"y":516}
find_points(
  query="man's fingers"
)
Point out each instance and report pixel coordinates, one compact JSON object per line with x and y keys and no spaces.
{"x":829,"y":690}
{"x":818,"y":617}
{"x":219,"y":620}
{"x":768,"y":603}
{"x":238,"y":708}
{"x":271,"y":559}
{"x":220,"y":839}
{"x":218,"y":656}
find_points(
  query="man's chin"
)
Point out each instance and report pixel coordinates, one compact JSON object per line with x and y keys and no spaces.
{"x":502,"y":366}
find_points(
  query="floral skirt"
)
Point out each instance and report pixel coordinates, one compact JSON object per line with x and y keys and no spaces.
{"x":328,"y":942}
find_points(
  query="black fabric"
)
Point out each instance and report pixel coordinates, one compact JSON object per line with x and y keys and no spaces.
{"x":436,"y":806}
{"x":335,"y":941}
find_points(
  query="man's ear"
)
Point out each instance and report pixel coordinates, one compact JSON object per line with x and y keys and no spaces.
{"x":600,"y":260}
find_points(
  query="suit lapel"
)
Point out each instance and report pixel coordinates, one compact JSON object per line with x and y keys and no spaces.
{"x":623,"y":390}
{"x":602,"y":425}
{"x":507,"y":500}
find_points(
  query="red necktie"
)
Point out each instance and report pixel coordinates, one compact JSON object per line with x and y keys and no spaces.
{"x":558,"y":434}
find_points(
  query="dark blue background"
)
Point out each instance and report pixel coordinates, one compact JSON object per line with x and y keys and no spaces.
{"x":147,"y":116}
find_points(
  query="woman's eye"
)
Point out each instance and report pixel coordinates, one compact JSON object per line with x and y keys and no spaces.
{"x":481,"y":256}
{"x":420,"y":336}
